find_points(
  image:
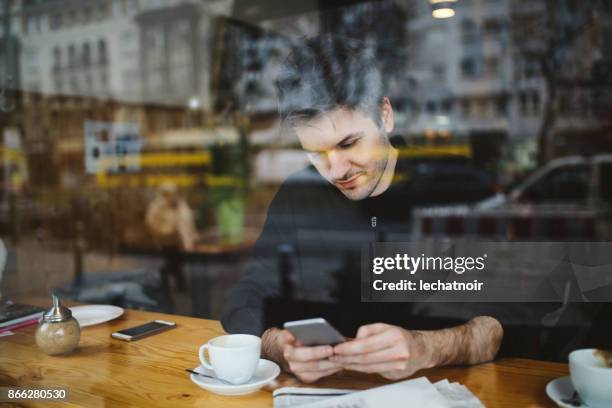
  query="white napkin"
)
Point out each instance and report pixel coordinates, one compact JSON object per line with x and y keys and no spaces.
{"x":441,"y":394}
{"x":295,"y":396}
{"x":457,"y":395}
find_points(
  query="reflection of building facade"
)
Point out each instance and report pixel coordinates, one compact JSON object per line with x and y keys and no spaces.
{"x":475,"y":78}
{"x":169,"y":57}
{"x":84,"y":47}
{"x":10,"y":49}
{"x":257,"y":37}
{"x":77,"y":56}
{"x":164,"y":64}
{"x":82,"y":61}
{"x":465,"y":78}
{"x":566,"y":66}
{"x":10,"y":59}
{"x":178,"y":46}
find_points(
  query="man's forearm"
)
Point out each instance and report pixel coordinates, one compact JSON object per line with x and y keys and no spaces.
{"x":475,"y":342}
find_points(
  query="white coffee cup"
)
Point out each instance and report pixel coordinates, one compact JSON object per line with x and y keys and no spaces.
{"x":233,"y":357}
{"x":591,"y":378}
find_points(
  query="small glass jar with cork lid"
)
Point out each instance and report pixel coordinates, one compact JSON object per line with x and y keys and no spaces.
{"x":58,"y":332}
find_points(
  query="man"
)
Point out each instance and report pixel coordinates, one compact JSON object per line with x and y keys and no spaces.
{"x":332,"y":97}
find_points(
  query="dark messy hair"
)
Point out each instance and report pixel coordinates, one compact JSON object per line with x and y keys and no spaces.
{"x":328,"y":72}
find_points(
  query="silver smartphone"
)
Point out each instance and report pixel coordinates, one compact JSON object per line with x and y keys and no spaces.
{"x":314,"y":332}
{"x":144,"y":330}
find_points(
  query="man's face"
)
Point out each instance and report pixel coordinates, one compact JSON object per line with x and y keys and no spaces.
{"x":348,"y":149}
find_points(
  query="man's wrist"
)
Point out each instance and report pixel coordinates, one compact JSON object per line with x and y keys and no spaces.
{"x":271,"y":346}
{"x":428,"y":343}
{"x":269,"y":340}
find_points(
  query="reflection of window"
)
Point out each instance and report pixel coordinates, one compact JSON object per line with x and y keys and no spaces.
{"x":86,"y":15}
{"x":439,"y":72}
{"x":465,"y":107}
{"x":181,"y":81}
{"x":183,"y":31}
{"x":502,"y":105}
{"x":57,"y":58}
{"x":446,"y":106}
{"x":118,"y":9}
{"x":469,"y":31}
{"x":180,"y":43}
{"x":74,"y":84}
{"x":523,"y":103}
{"x":42,"y":23}
{"x":72,"y":18}
{"x":491,"y":66}
{"x":104,"y":80}
{"x":492,"y":27}
{"x":564,"y":184}
{"x":530,"y":69}
{"x":151,"y":39}
{"x":86,"y":55}
{"x":605,"y":181}
{"x":430,"y":107}
{"x":31,"y":25}
{"x":535,"y":102}
{"x":584,"y":105}
{"x":154,"y":44}
{"x":529,"y":103}
{"x":483,"y":105}
{"x":71,"y":56}
{"x":469,"y":67}
{"x":155,"y":81}
{"x":564,"y":102}
{"x":56,"y":21}
{"x":88,"y":83}
{"x":102,"y":11}
{"x":102,"y":52}
{"x":130,"y":7}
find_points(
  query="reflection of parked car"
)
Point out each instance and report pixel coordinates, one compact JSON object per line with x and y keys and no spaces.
{"x":446,"y":181}
{"x":568,"y":198}
{"x":569,"y":183}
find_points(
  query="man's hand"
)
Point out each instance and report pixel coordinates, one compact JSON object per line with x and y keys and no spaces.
{"x":307,"y":363}
{"x":388,"y":350}
{"x":397,"y":353}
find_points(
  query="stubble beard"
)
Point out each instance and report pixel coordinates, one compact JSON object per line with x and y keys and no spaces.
{"x":379,"y":168}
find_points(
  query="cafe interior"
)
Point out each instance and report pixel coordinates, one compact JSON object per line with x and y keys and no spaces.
{"x":142,"y":149}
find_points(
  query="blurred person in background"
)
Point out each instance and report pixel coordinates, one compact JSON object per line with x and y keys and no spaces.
{"x":170,"y":220}
{"x":171,"y":224}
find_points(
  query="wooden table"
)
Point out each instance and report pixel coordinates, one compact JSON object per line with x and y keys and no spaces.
{"x":104,"y":372}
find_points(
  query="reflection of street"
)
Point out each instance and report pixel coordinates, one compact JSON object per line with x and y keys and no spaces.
{"x":567,"y":199}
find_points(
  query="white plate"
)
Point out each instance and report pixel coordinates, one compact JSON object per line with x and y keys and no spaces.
{"x":562,"y":388}
{"x":95,"y":314}
{"x":266,"y":372}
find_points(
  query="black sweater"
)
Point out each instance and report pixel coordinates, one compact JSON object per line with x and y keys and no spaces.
{"x":326,"y":232}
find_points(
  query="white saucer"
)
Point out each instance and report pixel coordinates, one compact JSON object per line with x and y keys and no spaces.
{"x":266,"y":372}
{"x":90,"y":315}
{"x":562,"y":388}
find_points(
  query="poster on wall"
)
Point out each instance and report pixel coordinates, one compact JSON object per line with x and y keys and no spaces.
{"x":112,"y":147}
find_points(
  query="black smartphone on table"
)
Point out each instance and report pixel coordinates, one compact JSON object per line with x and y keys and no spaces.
{"x":144,"y":330}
